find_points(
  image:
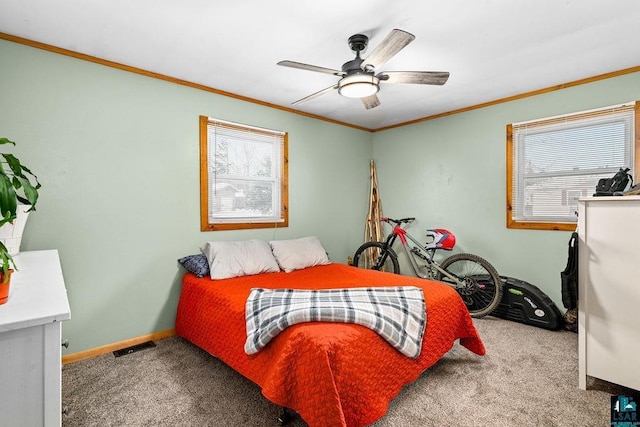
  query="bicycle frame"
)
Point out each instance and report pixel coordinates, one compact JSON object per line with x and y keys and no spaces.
{"x":426,"y":254}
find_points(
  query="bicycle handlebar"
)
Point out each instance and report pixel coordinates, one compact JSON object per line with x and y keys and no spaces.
{"x":397,"y":221}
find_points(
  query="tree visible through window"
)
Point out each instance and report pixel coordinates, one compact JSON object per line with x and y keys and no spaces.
{"x":553,"y":162}
{"x":243,"y":174}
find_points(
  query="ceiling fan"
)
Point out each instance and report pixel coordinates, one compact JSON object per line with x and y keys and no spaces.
{"x":358,"y":78}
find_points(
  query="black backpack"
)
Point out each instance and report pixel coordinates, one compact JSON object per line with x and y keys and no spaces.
{"x":569,"y":276}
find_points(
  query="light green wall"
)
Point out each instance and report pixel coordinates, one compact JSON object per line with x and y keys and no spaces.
{"x":451,"y":172}
{"x":117,"y":155}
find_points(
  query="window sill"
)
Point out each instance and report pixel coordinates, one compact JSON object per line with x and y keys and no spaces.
{"x":560,"y":226}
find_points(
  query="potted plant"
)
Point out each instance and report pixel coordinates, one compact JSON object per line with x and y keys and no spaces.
{"x":17,"y":185}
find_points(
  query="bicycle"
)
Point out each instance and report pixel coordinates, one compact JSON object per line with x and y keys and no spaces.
{"x":473,"y":277}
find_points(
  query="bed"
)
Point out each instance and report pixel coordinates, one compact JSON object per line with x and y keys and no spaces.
{"x":331,"y":374}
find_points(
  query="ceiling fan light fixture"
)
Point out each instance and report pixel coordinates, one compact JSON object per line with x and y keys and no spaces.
{"x":358,"y":85}
{"x":358,"y":76}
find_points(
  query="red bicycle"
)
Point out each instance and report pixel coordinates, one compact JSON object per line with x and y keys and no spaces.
{"x":475,"y":279}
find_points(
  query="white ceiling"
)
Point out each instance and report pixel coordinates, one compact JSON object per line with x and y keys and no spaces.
{"x":492,"y":48}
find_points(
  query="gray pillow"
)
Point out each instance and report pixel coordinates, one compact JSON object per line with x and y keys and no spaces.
{"x":239,"y":258}
{"x":300,"y":253}
{"x":196,"y":264}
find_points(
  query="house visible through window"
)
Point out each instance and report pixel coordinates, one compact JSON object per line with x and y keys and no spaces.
{"x":243,"y":176}
{"x":553,"y":162}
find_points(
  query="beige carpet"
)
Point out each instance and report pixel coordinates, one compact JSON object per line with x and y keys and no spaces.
{"x":529,"y":377}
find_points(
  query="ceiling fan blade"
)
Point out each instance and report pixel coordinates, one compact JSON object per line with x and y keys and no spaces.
{"x":315,"y":95}
{"x":309,"y":67}
{"x":370,"y":101}
{"x":395,"y":41}
{"x":415,"y":77}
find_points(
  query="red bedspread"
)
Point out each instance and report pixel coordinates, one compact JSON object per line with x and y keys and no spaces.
{"x":331,"y":374}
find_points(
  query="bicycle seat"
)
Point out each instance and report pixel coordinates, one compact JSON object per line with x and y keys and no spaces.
{"x":441,"y":239}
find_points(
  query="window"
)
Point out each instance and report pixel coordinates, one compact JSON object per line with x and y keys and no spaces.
{"x":553,"y":162}
{"x":243,"y":176}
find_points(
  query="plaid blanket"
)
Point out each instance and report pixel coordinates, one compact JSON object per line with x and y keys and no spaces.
{"x":397,"y":314}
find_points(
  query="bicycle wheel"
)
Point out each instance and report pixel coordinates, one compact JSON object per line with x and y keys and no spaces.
{"x":372,"y":255}
{"x":482,"y":291}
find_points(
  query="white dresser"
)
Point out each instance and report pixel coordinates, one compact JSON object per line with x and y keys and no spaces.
{"x":30,"y":342}
{"x":609,"y":290}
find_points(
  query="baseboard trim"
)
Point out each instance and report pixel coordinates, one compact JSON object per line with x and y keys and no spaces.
{"x":88,"y":354}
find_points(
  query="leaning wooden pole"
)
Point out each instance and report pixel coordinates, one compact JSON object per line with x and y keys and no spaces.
{"x":373,"y":226}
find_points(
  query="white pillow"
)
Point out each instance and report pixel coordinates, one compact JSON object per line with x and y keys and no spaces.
{"x":239,"y":258}
{"x":299,"y":253}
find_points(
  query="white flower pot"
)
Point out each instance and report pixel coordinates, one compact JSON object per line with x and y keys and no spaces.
{"x":11,"y":233}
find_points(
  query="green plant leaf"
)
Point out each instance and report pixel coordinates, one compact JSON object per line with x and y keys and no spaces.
{"x":6,"y":261}
{"x":14,"y":164}
{"x":6,"y":141}
{"x":16,"y":182}
{"x":6,"y":219}
{"x":18,"y":168}
{"x":24,"y":168}
{"x":8,"y":201}
{"x":29,"y":190}
{"x":2,"y":171}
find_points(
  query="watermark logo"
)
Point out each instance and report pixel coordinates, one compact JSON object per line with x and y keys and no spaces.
{"x":624,"y":412}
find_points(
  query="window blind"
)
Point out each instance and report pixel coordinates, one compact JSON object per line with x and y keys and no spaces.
{"x":557,"y":160}
{"x":245,"y":173}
